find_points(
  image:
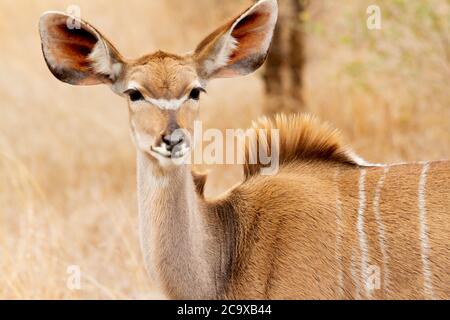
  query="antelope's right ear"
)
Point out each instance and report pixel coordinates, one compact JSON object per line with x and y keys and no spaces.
{"x":76,"y":52}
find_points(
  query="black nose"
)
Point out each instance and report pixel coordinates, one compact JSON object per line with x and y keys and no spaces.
{"x":172,"y":140}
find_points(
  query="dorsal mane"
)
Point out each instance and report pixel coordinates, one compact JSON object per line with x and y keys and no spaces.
{"x":301,"y":138}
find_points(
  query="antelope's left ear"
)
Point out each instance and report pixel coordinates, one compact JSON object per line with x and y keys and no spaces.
{"x":240,"y":46}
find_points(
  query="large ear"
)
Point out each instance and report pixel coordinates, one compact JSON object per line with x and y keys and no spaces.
{"x":240,"y":46}
{"x":76,"y":52}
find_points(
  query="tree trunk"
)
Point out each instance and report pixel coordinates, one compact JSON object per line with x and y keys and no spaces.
{"x":284,"y":66}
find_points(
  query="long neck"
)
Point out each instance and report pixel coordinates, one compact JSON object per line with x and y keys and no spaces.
{"x":175,"y":237}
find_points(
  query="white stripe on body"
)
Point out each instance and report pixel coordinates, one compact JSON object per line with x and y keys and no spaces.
{"x":381,"y":231}
{"x":361,"y":234}
{"x":423,"y":233}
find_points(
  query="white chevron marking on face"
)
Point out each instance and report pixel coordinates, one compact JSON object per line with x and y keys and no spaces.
{"x":164,"y":104}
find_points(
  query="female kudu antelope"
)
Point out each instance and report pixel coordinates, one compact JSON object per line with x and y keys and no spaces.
{"x":326,"y":226}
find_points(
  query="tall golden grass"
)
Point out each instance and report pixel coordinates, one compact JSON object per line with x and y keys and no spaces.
{"x":67,"y":172}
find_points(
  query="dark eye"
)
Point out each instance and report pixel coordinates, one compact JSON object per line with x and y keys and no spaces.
{"x":195,"y":93}
{"x":135,"y":95}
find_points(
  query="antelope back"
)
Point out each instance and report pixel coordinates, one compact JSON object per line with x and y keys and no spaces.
{"x":329,"y":225}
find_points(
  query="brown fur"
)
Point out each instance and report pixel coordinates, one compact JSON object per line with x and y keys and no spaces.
{"x":305,"y":232}
{"x":285,"y":225}
{"x":66,"y":51}
{"x":162,"y":75}
{"x":302,"y":137}
{"x":274,"y":237}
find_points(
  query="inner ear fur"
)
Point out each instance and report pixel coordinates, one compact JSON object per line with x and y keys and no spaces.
{"x":79,"y":56}
{"x":240,"y":46}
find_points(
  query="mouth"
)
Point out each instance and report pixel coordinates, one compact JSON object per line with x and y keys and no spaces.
{"x":177,"y":152}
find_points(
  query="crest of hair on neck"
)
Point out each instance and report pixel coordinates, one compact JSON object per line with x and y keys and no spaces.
{"x":301,"y":138}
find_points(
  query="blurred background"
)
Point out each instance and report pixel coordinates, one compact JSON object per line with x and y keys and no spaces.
{"x":67,"y":164}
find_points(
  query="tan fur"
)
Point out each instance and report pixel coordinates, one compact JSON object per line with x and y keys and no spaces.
{"x":303,"y":137}
{"x":162,"y":75}
{"x":274,"y":237}
{"x":287,"y":232}
{"x":240,"y":46}
{"x":311,"y":231}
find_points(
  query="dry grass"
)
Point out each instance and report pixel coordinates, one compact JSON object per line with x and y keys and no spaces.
{"x":67,"y":173}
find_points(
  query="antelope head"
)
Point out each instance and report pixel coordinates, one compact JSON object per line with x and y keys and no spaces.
{"x":162,"y":89}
